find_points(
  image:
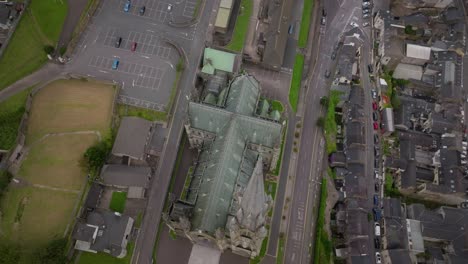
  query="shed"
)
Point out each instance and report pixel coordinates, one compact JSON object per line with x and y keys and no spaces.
{"x":132,"y":138}
{"x":136,"y":179}
{"x":217,"y":60}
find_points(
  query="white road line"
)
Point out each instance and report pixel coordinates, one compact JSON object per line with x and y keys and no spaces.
{"x":103,"y":71}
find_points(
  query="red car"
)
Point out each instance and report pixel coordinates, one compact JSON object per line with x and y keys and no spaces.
{"x":376,"y":126}
{"x":134,"y":45}
{"x":374,"y":105}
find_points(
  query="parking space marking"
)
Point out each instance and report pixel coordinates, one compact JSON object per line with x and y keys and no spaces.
{"x":154,"y":10}
{"x":144,"y":76}
{"x":189,"y":8}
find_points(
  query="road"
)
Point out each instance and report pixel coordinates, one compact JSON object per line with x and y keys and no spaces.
{"x":148,"y":232}
{"x":301,"y":225}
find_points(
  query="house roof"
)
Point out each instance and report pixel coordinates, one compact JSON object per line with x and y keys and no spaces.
{"x":94,"y":194}
{"x":217,"y":60}
{"x":277,"y":33}
{"x":400,"y":256}
{"x":223,"y":16}
{"x":128,"y":176}
{"x":4,"y":14}
{"x":418,"y":51}
{"x":132,"y":137}
{"x":112,"y":231}
{"x":84,"y":232}
{"x":408,"y":71}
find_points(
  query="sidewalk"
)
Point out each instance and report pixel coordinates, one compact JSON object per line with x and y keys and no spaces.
{"x":48,"y":72}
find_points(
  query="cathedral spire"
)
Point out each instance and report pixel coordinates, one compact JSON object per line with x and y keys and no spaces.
{"x":254,"y":201}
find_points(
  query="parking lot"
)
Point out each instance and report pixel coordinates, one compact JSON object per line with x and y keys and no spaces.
{"x":146,"y":62}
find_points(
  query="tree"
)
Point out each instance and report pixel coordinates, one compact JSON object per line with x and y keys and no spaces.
{"x":321,"y":122}
{"x":9,"y":253}
{"x":95,"y":156}
{"x":52,"y":253}
{"x":49,"y":49}
{"x":324,"y":101}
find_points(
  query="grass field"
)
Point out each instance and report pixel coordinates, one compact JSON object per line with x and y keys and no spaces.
{"x":33,"y":216}
{"x":25,"y":52}
{"x":242,"y":26}
{"x":11,"y":112}
{"x":296,"y":81}
{"x":54,"y":161}
{"x":51,"y":178}
{"x":117,"y":203}
{"x":305,"y":23}
{"x":69,"y":106}
{"x":277,"y":105}
{"x":103,"y":258}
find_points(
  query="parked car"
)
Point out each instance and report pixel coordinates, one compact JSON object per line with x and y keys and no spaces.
{"x":376,"y":200}
{"x":376,"y":126}
{"x":169,"y":7}
{"x":377,"y":176}
{"x":376,"y":153}
{"x":354,"y":24}
{"x":291,"y":29}
{"x":324,"y":12}
{"x":115,"y":64}
{"x":376,"y":139}
{"x":376,"y":187}
{"x":134,"y":46}
{"x":365,"y":10}
{"x":378,"y":258}
{"x":327,"y":74}
{"x":377,"y":243}
{"x":375,"y":116}
{"x":369,"y":67}
{"x":333,"y":55}
{"x":366,"y":4}
{"x":377,"y":229}
{"x":323,"y":21}
{"x":366,"y":16}
{"x":376,"y":163}
{"x":142,"y":10}
{"x":127,"y":6}
{"x":377,"y":215}
{"x":365,"y":24}
{"x":118,"y":42}
{"x":374,"y":105}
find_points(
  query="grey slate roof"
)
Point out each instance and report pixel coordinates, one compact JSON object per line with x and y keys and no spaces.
{"x":110,"y":234}
{"x":4,"y":14}
{"x":94,"y":194}
{"x":400,"y":256}
{"x":128,"y":176}
{"x":132,"y":137}
{"x":225,"y":165}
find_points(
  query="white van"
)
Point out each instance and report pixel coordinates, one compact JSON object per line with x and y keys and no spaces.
{"x":377,"y":229}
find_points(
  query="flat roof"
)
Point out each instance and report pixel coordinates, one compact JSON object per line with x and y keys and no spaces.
{"x":222,"y":18}
{"x":132,"y":137}
{"x":217,"y":60}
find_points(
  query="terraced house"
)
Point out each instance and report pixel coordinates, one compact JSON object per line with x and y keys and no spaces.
{"x":225,"y":204}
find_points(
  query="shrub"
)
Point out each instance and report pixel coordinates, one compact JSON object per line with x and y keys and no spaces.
{"x":49,"y":49}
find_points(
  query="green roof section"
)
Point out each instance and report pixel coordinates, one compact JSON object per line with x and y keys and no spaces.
{"x":217,"y":60}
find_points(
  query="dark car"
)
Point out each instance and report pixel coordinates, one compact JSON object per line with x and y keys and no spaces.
{"x":118,"y":42}
{"x":377,"y":214}
{"x":375,"y":117}
{"x":327,"y":74}
{"x":333,"y":55}
{"x":324,"y":12}
{"x":376,"y":163}
{"x":134,"y":45}
{"x":376,"y":187}
{"x":142,"y":10}
{"x":376,"y":200}
{"x":376,"y":139}
{"x":376,"y":152}
{"x":377,"y":243}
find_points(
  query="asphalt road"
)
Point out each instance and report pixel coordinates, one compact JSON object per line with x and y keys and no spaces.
{"x":148,"y":232}
{"x":301,"y":225}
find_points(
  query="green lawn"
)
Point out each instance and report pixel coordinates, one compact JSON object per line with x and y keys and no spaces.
{"x":296,"y":81}
{"x":242,"y":26}
{"x":330,"y":126}
{"x":277,"y":105}
{"x":25,"y":52}
{"x":148,"y":114}
{"x":104,"y":258}
{"x":323,"y":245}
{"x":281,"y":248}
{"x":118,"y":200}
{"x":305,"y":23}
{"x":260,"y":256}
{"x":11,"y":112}
{"x":270,"y":188}
{"x":283,"y":140}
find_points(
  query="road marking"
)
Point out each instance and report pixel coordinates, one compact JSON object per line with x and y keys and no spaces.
{"x":146,"y":57}
{"x":103,"y":71}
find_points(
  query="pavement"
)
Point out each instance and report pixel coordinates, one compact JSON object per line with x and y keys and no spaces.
{"x":75,"y":9}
